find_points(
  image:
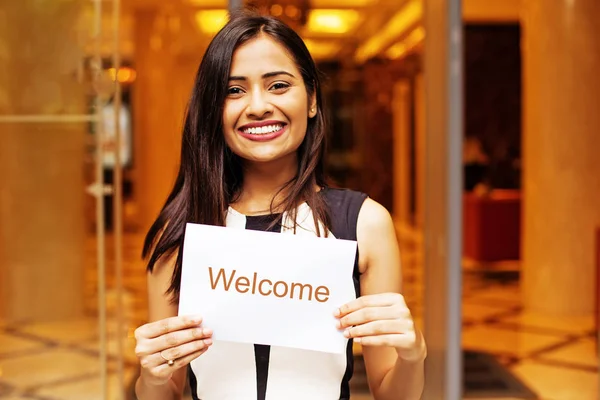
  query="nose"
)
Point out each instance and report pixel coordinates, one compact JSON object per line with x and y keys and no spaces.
{"x":259,"y":106}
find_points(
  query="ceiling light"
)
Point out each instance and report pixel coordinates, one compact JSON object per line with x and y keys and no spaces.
{"x":406,"y":18}
{"x":211,"y":21}
{"x":407,"y":44}
{"x":341,"y":3}
{"x":209,"y":3}
{"x":396,"y":51}
{"x":332,"y":21}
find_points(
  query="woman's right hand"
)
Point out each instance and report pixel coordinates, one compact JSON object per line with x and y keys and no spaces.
{"x":180,"y":339}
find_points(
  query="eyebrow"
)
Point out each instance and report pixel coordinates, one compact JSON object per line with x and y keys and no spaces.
{"x":265,"y":76}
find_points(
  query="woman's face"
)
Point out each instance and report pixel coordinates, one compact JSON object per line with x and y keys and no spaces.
{"x":267,"y":107}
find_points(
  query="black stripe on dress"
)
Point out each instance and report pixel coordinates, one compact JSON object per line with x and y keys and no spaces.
{"x":193,"y":382}
{"x":262,"y":352}
{"x":344,"y":206}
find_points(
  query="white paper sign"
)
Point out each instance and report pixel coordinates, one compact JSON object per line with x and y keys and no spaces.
{"x":267,"y":288}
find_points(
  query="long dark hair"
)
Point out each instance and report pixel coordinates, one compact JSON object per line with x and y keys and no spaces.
{"x":210,"y":175}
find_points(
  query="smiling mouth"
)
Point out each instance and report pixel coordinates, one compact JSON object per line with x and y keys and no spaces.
{"x":263,"y":130}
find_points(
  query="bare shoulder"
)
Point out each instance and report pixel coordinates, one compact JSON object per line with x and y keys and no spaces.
{"x":376,"y":236}
{"x":373,"y":218}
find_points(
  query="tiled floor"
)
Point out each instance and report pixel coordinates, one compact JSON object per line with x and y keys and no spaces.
{"x":556,"y":357}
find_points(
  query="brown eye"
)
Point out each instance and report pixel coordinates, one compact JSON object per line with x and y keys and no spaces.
{"x":234,"y":91}
{"x":279,"y":86}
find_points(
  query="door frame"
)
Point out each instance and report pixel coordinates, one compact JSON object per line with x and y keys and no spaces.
{"x":443,"y":198}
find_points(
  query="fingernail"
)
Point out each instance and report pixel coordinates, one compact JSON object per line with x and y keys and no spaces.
{"x":357,"y":340}
{"x":197,"y":319}
{"x":208,"y":342}
{"x":338,"y":324}
{"x":347,"y":333}
{"x":207,"y":331}
{"x":336,"y":312}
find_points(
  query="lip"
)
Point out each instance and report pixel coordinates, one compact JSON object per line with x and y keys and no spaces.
{"x":264,"y":137}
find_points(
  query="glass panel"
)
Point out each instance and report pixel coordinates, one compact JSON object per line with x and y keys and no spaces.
{"x":58,"y":327}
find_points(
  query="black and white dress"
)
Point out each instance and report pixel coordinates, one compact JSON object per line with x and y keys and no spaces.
{"x":258,"y":372}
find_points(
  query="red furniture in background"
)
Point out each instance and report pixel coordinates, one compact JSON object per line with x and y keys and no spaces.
{"x":492,"y":226}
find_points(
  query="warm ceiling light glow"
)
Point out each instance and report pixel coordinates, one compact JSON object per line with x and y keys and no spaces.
{"x":276,"y":10}
{"x":408,"y":16}
{"x":396,"y":51}
{"x":211,"y":21}
{"x":416,"y":36}
{"x":405,"y":45}
{"x":292,"y":11}
{"x":322,"y":49}
{"x":209,"y":3}
{"x":332,"y":21}
{"x":492,"y":10}
{"x":125,"y":74}
{"x":341,"y":3}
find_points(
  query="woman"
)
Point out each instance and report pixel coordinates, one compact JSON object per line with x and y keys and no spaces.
{"x":252,"y":154}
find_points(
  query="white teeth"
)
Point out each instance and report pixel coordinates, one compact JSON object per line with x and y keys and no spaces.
{"x":264,"y":129}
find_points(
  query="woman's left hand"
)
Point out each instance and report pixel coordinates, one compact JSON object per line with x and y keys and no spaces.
{"x":382,"y":320}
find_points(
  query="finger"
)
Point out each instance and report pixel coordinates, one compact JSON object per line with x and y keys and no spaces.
{"x":370,"y":314}
{"x":377,"y":328}
{"x":376,"y":300}
{"x":181,"y":351}
{"x":392,"y":340}
{"x":175,"y":339}
{"x":162,"y":327}
{"x":165,"y":370}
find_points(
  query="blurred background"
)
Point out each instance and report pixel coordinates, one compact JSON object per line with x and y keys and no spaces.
{"x":474,"y":122}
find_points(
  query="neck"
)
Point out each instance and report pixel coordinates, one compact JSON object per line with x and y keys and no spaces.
{"x":263,"y":183}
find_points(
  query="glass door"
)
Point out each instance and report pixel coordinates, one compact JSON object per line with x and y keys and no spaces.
{"x":62,"y":330}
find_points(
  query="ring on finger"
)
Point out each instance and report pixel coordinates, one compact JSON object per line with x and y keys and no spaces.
{"x":169,"y":361}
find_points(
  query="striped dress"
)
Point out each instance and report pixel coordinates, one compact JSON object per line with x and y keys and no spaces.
{"x":243,"y":371}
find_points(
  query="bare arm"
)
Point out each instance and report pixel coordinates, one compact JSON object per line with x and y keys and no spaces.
{"x":178,"y":338}
{"x":394,"y":351}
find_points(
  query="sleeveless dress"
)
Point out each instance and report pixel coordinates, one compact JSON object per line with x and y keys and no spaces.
{"x":243,"y":371}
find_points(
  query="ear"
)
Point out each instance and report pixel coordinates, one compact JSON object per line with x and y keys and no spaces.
{"x":312,"y":107}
